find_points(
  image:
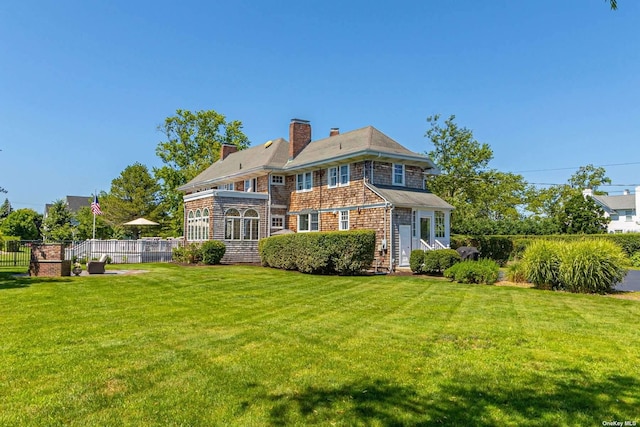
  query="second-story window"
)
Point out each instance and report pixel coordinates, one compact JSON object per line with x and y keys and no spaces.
{"x":338,"y":176}
{"x":304,"y":181}
{"x":277,"y":179}
{"x":398,"y":174}
{"x":250,"y":185}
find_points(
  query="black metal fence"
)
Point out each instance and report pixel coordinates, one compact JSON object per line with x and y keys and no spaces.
{"x":18,"y":253}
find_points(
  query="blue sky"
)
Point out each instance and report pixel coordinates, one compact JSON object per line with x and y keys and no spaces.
{"x":550,"y":85}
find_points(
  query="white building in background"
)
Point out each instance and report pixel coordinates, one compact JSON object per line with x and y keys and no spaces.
{"x":623,"y":210}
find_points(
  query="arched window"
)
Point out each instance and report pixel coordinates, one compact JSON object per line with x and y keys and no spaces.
{"x":205,"y":224}
{"x":251,"y":221}
{"x":198,"y":225}
{"x":232,"y":224}
{"x":190,"y":225}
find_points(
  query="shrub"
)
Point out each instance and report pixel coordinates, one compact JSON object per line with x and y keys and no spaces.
{"x":435,"y":262}
{"x":416,"y":260}
{"x":541,"y":262}
{"x":341,"y":252}
{"x":635,"y":259}
{"x":497,"y":248}
{"x":485,"y":271}
{"x":189,"y":253}
{"x":212,"y":251}
{"x":592,"y":266}
{"x":517,"y":273}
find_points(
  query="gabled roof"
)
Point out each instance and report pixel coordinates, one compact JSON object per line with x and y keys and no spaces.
{"x":410,"y":197}
{"x":253,"y":160}
{"x":615,"y":203}
{"x":367,"y":142}
{"x":74,"y":203}
{"x":360,"y":142}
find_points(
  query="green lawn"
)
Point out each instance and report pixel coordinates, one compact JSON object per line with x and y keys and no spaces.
{"x":247,"y":346}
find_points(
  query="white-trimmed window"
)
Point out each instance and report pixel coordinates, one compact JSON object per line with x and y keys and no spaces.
{"x":277,"y":179}
{"x":277,"y":221}
{"x":251,"y":222}
{"x":439,"y":224}
{"x":338,"y":176}
{"x":232,"y":224}
{"x":628,"y":215}
{"x":304,"y":181}
{"x":308,"y":222}
{"x":250,"y":185}
{"x":228,"y":186}
{"x":198,"y":220}
{"x":205,"y":224}
{"x":191,"y":220}
{"x":344,"y":220}
{"x":398,"y":174}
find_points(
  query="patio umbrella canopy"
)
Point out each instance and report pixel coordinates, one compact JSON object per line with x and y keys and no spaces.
{"x":141,"y":221}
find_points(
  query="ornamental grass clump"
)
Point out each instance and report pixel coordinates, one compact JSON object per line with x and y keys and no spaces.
{"x":592,"y":266}
{"x":541,"y":261}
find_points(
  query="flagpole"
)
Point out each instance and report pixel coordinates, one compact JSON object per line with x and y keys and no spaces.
{"x":94,"y":218}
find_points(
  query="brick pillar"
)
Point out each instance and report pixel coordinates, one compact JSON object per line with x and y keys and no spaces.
{"x":47,"y":260}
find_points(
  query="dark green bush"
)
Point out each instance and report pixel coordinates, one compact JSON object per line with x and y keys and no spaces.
{"x":190,"y":253}
{"x":436,"y":262}
{"x":497,"y":248}
{"x":485,"y":271}
{"x":416,"y":260}
{"x":212,"y":251}
{"x":341,"y":252}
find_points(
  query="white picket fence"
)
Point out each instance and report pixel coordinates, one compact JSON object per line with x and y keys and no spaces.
{"x":125,"y":251}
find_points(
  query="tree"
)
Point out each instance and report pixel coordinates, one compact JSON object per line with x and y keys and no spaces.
{"x":58,"y":225}
{"x":193,"y":142}
{"x":466,"y":182}
{"x":133,"y":194}
{"x":581,"y":215}
{"x":84,"y":229}
{"x":5,"y":209}
{"x":589,"y":176}
{"x":22,"y":223}
{"x":614,"y":4}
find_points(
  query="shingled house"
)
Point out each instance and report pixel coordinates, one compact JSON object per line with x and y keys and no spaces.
{"x":355,"y":180}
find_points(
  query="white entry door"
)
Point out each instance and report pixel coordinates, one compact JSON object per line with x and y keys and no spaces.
{"x":405,"y":245}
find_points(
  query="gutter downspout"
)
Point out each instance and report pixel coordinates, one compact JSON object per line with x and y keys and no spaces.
{"x":268,"y":203}
{"x":390,"y":245}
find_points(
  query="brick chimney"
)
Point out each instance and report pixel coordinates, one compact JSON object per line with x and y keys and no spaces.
{"x":334,"y":131}
{"x":299,"y":136}
{"x":226,"y":149}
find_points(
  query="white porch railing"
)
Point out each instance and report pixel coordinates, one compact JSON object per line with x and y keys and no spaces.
{"x":437,"y":244}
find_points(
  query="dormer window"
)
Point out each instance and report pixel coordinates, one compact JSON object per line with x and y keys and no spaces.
{"x":398,"y":174}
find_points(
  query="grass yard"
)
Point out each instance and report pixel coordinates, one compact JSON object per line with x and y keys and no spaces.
{"x":247,"y":346}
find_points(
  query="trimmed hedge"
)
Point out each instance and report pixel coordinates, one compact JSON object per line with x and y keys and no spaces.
{"x":432,"y":262}
{"x":484,"y":271}
{"x":498,"y":248}
{"x":416,"y":261}
{"x":341,"y":252}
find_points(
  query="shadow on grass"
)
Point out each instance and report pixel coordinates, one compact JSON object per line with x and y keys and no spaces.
{"x":576,"y":400}
{"x":16,"y":280}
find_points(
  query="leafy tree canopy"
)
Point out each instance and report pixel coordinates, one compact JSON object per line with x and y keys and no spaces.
{"x":58,"y":225}
{"x":581,"y":215}
{"x":589,"y":176}
{"x":5,"y":209}
{"x":22,"y":223}
{"x":466,"y":182}
{"x":193,"y":142}
{"x":84,"y":230}
{"x":133,"y":194}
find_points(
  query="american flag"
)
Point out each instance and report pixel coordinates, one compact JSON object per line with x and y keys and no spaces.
{"x":95,"y":206}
